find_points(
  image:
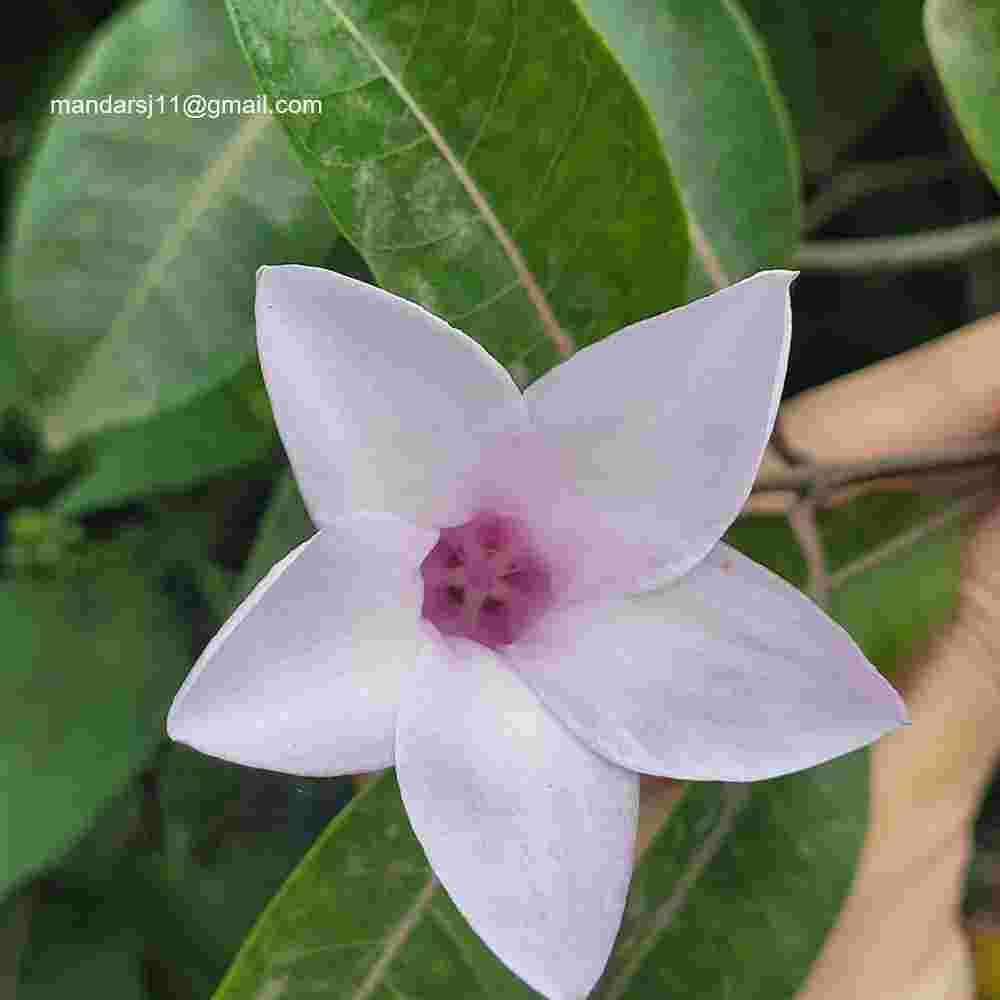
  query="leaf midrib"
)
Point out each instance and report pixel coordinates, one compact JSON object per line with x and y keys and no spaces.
{"x":218,"y":173}
{"x":636,"y":944}
{"x":395,"y":940}
{"x":550,"y":325}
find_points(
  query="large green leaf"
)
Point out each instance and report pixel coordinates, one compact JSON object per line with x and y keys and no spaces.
{"x":808,"y":43}
{"x":229,"y":841}
{"x":135,"y":242}
{"x":707,"y":83}
{"x":964,"y":38}
{"x":786,"y":29}
{"x":92,"y":656}
{"x":228,"y":427}
{"x":491,"y":161}
{"x":737,"y":892}
{"x":78,"y":945}
{"x":865,"y":53}
{"x":362,"y":915}
{"x":890,"y":607}
{"x":12,"y":383}
{"x":893,"y":607}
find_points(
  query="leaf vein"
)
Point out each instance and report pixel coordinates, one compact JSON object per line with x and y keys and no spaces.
{"x":502,"y":79}
{"x":550,"y":324}
{"x":214,"y":179}
{"x":433,"y":241}
{"x":408,"y":58}
{"x":488,"y":301}
{"x":445,"y":927}
{"x":637,"y":945}
{"x":421,"y":140}
{"x":562,"y":149}
{"x":395,"y":941}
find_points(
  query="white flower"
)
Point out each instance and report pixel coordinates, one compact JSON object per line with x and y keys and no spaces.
{"x":520,"y":600}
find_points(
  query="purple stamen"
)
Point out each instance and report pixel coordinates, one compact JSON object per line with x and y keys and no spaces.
{"x":485,"y":581}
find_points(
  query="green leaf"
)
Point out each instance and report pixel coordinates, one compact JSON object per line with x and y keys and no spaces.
{"x":93,"y":655}
{"x":15,"y":920}
{"x":808,"y":44}
{"x":362,"y":916}
{"x":482,"y":159}
{"x":228,"y":427}
{"x":707,"y":83}
{"x":228,"y":844}
{"x":894,"y":607}
{"x":12,"y":383}
{"x":135,"y":242}
{"x":964,"y":39}
{"x":102,"y":858}
{"x":786,"y":29}
{"x":865,"y":53}
{"x":890,"y":608}
{"x":737,"y":892}
{"x":750,"y":851}
{"x":79,"y":946}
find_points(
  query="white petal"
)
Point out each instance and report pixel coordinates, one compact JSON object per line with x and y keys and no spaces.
{"x":381,"y":405}
{"x":530,"y":832}
{"x":666,"y":420}
{"x":305,"y":677}
{"x":728,"y":674}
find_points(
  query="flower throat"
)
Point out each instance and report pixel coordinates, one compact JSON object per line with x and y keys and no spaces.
{"x":483,"y":580}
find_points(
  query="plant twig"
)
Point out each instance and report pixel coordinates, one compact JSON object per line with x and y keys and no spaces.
{"x":707,"y":256}
{"x":784,"y":449}
{"x":871,"y":178}
{"x":899,"y":253}
{"x":813,"y":485}
{"x":823,"y":479}
{"x":802,"y":518}
{"x":803,"y":522}
{"x":456,"y":162}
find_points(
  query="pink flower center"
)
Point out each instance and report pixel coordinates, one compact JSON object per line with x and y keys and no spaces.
{"x":483,"y":580}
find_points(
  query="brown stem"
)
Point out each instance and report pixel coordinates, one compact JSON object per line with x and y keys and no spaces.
{"x":802,"y":519}
{"x":871,"y":178}
{"x":816,"y":479}
{"x":784,"y":449}
{"x":899,"y":253}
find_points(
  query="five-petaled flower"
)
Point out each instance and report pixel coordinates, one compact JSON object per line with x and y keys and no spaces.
{"x":521,"y":599}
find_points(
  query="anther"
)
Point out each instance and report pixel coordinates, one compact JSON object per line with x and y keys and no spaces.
{"x":484,"y":580}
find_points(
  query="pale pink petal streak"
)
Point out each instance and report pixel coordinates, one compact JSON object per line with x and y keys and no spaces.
{"x":305,"y":676}
{"x":665,"y":422}
{"x":728,"y":674}
{"x":529,"y":831}
{"x":381,"y":405}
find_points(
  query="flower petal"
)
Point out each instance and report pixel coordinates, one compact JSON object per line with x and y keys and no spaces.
{"x":305,"y":676}
{"x":728,"y":674}
{"x":666,"y":421}
{"x":530,"y":832}
{"x":381,"y":405}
